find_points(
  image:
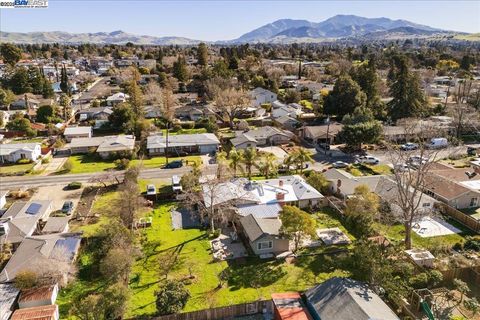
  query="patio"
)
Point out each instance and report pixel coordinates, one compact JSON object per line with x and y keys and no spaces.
{"x":332,"y":236}
{"x":228,"y":246}
{"x":433,"y":227}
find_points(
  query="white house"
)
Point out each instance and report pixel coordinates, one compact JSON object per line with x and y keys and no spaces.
{"x":202,"y":143}
{"x":260,"y":96}
{"x":117,"y":98}
{"x":11,"y":153}
{"x":77,"y":132}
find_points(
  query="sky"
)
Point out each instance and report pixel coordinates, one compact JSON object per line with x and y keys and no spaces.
{"x":225,"y":20}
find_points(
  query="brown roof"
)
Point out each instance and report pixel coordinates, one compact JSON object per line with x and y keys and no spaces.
{"x":289,"y":306}
{"x":35,"y":294}
{"x":444,"y":187}
{"x":36,"y":313}
{"x":456,"y":174}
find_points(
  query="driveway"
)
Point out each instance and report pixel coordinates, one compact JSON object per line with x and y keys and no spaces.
{"x":55,"y":164}
{"x":277,"y":151}
{"x":58,"y":195}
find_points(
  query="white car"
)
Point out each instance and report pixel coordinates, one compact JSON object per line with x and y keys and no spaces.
{"x":400,"y":167}
{"x":409,"y":146}
{"x":416,"y":161}
{"x":339,"y":164}
{"x":369,"y":160}
{"x":151,"y":190}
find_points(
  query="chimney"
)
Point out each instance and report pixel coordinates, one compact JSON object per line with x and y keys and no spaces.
{"x":280,"y":196}
{"x":280,"y":183}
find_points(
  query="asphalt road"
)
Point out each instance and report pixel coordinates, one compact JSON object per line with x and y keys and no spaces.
{"x":7,"y":183}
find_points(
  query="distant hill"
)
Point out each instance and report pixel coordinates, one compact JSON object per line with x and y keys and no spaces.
{"x":115,"y":37}
{"x":336,"y":28}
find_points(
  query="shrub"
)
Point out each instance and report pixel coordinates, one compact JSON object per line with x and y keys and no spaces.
{"x":122,"y":164}
{"x":25,"y":280}
{"x":176,"y":127}
{"x":171,"y":298}
{"x":74,"y":185}
{"x":46,"y":160}
{"x":472,"y":244}
{"x":24,"y":161}
{"x":19,"y":194}
{"x":67,"y":166}
{"x":188,"y":125}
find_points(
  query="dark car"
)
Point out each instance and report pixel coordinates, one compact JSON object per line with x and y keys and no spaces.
{"x":67,"y":207}
{"x":471,"y":151}
{"x":174,"y":164}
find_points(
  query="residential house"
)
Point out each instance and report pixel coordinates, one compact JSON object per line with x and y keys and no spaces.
{"x":8,"y":298}
{"x":32,"y":103}
{"x":152,"y":112}
{"x":193,"y":113}
{"x":202,"y":143}
{"x":325,"y":133}
{"x":56,"y":225}
{"x":263,"y":235}
{"x":57,"y":88}
{"x":99,"y":113}
{"x":51,"y":248}
{"x":263,"y":136}
{"x":346,"y":299}
{"x":104,"y":146}
{"x":456,"y":187}
{"x":260,"y":96}
{"x":37,"y":313}
{"x":288,"y":122}
{"x":117,"y":98}
{"x":77,"y":132}
{"x":291,"y":190}
{"x":37,"y":297}
{"x":11,"y":153}
{"x":5,"y":118}
{"x":22,"y":219}
{"x":288,"y":110}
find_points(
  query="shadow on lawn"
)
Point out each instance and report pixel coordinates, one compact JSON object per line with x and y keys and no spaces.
{"x":254,"y":274}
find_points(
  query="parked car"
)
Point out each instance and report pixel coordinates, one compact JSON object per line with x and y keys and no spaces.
{"x":437,"y":143}
{"x":67,"y":207}
{"x":176,"y":186}
{"x":324,"y":146}
{"x":174,"y":164}
{"x":400,"y":167}
{"x":409,"y":146}
{"x":369,"y":160}
{"x":472,"y":151}
{"x":416,"y":161}
{"x":339,"y":164}
{"x":151,"y":190}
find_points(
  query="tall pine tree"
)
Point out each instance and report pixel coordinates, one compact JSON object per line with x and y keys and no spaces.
{"x":64,"y":81}
{"x":408,"y":99}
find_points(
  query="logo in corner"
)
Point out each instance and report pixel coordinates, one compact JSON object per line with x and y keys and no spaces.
{"x":23,"y":4}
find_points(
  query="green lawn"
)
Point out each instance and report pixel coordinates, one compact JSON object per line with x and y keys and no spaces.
{"x":27,"y":140}
{"x":16,"y":168}
{"x":358,"y":170}
{"x":88,"y":163}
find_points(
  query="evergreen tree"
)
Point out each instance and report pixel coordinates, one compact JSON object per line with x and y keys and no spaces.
{"x":202,"y":54}
{"x":366,"y":77}
{"x":11,"y":53}
{"x":345,"y":97}
{"x":180,"y":69}
{"x":360,"y":127}
{"x":408,"y":99}
{"x":64,"y":81}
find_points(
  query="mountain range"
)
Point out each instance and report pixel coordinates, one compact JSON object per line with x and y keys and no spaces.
{"x":280,"y":31}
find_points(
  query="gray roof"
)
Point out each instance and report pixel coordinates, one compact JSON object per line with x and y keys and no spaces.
{"x":55,"y":225}
{"x":182,"y":140}
{"x":77,"y":130}
{"x":349,"y":182}
{"x":256,"y":228}
{"x":117,"y":143}
{"x":6,"y":149}
{"x":242,"y":138}
{"x":22,"y":218}
{"x":8,"y":295}
{"x":40,"y":248}
{"x":347,"y":299}
{"x":96,"y":110}
{"x":266,"y":210}
{"x":86,"y":142}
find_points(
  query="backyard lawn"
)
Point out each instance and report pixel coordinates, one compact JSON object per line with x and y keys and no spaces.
{"x":358,"y":170}
{"x":16,"y":168}
{"x":87,"y":163}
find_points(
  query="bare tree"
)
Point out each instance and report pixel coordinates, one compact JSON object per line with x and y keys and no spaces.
{"x":168,"y":113}
{"x":411,"y":169}
{"x":465,"y":117}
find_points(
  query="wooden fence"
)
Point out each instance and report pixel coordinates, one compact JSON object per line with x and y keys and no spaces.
{"x":459,"y":216}
{"x":229,"y":312}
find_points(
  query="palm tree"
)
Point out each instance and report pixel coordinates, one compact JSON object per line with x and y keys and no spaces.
{"x":269,"y":165}
{"x":250,"y":158}
{"x":221,"y":161}
{"x":235,"y":157}
{"x":301,"y":156}
{"x":288,"y":161}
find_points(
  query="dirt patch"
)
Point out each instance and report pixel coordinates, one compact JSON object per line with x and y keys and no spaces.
{"x":85,"y":204}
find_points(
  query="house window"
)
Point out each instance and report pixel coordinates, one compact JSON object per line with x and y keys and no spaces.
{"x":426,"y":205}
{"x":473,"y":202}
{"x":265,"y":245}
{"x":22,"y":156}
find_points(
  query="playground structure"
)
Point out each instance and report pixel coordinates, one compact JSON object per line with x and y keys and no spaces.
{"x":423,"y":299}
{"x":143,"y":223}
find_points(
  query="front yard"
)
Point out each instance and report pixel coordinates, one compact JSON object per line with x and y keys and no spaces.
{"x":88,"y":163}
{"x":15,"y":169}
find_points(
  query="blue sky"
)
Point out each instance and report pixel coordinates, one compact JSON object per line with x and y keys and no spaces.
{"x":224,"y":20}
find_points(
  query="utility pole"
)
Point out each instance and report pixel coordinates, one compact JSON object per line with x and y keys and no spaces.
{"x":328,"y":129}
